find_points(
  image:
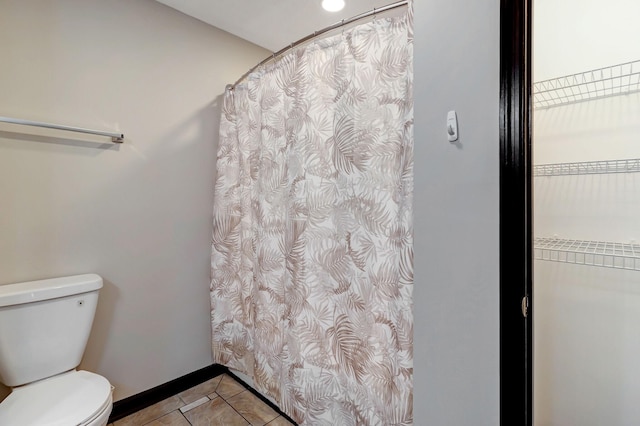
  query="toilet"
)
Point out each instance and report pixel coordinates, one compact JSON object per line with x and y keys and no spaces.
{"x":44,"y":328}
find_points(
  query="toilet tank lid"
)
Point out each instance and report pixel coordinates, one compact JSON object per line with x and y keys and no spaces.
{"x":52,"y":288}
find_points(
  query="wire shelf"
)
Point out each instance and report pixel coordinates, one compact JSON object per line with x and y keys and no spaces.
{"x":594,"y":253}
{"x":588,"y":168}
{"x":599,"y":83}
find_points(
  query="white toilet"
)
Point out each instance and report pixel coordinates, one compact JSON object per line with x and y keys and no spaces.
{"x":44,"y":328}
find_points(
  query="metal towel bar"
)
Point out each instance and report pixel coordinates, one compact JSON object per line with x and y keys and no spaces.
{"x":115,"y":137}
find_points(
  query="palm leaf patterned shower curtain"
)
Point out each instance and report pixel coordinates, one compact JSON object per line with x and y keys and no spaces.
{"x":312,"y":252}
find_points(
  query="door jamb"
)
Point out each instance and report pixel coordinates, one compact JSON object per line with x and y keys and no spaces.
{"x":516,"y":369}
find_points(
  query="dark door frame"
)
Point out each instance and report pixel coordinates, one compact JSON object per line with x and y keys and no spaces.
{"x":516,"y":367}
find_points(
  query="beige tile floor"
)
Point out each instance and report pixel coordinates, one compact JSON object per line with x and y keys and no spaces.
{"x":219,"y":401}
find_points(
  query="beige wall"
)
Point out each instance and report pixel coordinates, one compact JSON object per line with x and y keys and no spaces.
{"x":137,"y":214}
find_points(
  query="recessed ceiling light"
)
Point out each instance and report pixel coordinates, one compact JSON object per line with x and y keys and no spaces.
{"x":332,"y":5}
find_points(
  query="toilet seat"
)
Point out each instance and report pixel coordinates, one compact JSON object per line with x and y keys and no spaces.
{"x":72,"y":398}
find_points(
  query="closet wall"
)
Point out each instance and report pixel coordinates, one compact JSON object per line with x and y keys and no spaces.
{"x":587,"y":316}
{"x":138,"y":214}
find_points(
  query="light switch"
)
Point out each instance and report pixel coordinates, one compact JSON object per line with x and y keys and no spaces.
{"x":452,"y":126}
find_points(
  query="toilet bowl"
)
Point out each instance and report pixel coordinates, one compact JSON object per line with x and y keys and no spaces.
{"x":68,"y":399}
{"x":44,"y":328}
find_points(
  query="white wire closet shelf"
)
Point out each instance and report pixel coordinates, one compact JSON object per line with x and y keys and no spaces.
{"x":594,"y":84}
{"x":593,"y":253}
{"x":588,"y":168}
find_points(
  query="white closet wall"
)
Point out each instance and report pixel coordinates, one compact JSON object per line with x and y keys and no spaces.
{"x":586,"y":317}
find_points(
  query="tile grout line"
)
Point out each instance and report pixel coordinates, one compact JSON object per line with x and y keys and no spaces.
{"x":161,"y":415}
{"x":179,"y":409}
{"x":227,"y":402}
{"x":261,"y":397}
{"x":205,"y":399}
{"x":186,"y":419}
{"x":204,"y":402}
{"x":248,"y":421}
{"x":239,"y":413}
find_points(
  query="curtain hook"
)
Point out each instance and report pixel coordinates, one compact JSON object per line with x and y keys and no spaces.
{"x":342,"y":25}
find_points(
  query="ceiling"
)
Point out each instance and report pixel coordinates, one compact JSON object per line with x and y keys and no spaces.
{"x":271,"y":24}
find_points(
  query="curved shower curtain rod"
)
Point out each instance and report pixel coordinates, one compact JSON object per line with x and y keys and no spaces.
{"x":338,"y":24}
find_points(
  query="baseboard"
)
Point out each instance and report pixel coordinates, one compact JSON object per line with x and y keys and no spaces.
{"x":142,"y":400}
{"x":137,"y":402}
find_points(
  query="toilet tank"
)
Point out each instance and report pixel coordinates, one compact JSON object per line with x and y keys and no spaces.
{"x":44,"y":326}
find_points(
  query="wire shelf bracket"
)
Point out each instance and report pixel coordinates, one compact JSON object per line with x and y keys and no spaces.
{"x":594,"y":253}
{"x":595,"y":84}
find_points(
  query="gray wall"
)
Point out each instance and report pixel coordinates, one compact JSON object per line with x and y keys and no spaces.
{"x":138,"y":214}
{"x":456,"y":213}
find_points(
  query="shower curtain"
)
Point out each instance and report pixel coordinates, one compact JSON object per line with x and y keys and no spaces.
{"x":312,"y":253}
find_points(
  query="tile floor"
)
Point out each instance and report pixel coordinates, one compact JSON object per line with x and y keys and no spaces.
{"x":219,"y":401}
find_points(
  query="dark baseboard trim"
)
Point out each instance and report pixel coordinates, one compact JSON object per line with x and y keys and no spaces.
{"x":137,"y":402}
{"x":259,"y":395}
{"x":142,"y":400}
